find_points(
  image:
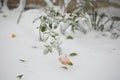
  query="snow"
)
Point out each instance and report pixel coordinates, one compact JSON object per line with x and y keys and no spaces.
{"x":115,"y":1}
{"x":49,"y":3}
{"x":111,"y":11}
{"x":98,"y":56}
{"x":21,"y":4}
{"x":66,"y":2}
{"x":112,"y":1}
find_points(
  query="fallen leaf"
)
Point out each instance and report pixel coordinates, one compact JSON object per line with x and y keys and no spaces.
{"x":4,"y":16}
{"x":73,"y":54}
{"x":13,"y":36}
{"x":20,"y":76}
{"x":64,"y":67}
{"x":22,"y":60}
{"x":69,"y":37}
{"x":70,"y":63}
{"x":34,"y":46}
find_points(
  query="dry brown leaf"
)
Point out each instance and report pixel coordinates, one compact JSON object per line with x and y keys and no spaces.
{"x":13,"y":35}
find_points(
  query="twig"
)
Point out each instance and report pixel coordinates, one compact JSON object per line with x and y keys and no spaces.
{"x":20,"y":16}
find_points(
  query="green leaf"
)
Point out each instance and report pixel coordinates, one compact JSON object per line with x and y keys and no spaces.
{"x":50,"y":25}
{"x":43,"y":28}
{"x":101,"y":27}
{"x":73,"y":54}
{"x":57,"y":14}
{"x":44,"y":17}
{"x":20,"y":76}
{"x":69,"y":37}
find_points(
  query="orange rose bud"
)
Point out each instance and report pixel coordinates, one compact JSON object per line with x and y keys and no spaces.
{"x":65,"y":60}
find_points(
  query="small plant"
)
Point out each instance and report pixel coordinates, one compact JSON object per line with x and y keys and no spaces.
{"x":47,"y":27}
{"x":98,"y":20}
{"x":76,"y":23}
{"x":102,"y":22}
{"x":44,"y":27}
{"x":53,"y":19}
{"x":72,"y":21}
{"x":48,"y":22}
{"x":53,"y":43}
{"x":47,"y":33}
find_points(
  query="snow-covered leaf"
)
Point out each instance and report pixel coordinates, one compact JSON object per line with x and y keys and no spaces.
{"x":46,"y":51}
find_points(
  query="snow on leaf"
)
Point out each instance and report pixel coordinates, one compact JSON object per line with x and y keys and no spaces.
{"x":46,"y":51}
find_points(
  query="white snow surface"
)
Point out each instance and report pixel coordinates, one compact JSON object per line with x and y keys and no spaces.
{"x":110,"y":11}
{"x":98,"y":56}
{"x":115,"y":1}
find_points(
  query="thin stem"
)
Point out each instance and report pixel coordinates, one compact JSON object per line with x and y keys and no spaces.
{"x":40,"y":35}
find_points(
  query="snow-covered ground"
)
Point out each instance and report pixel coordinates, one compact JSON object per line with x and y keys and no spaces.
{"x":115,"y":1}
{"x":110,"y":11}
{"x":98,"y":56}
